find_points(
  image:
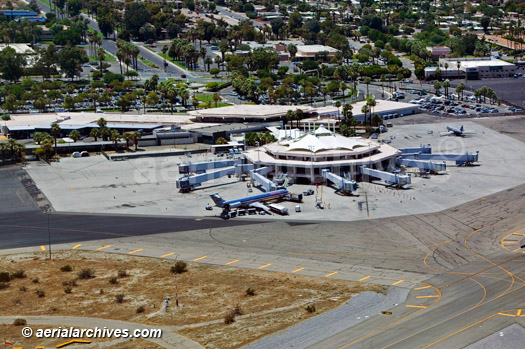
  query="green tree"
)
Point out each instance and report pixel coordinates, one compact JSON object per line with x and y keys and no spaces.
{"x":11,"y":64}
{"x":38,"y":137}
{"x":94,"y":133}
{"x":128,"y":137}
{"x":216,"y":99}
{"x":135,"y":16}
{"x":221,"y":140}
{"x":115,"y":138}
{"x":214,"y":72}
{"x":136,"y":138}
{"x":70,"y":60}
{"x":55,"y":131}
{"x":437,"y":86}
{"x":74,"y":135}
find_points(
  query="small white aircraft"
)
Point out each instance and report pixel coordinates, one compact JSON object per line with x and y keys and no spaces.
{"x":453,"y":131}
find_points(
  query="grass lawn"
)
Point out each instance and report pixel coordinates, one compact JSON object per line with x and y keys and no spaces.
{"x":148,"y":63}
{"x":204,"y":98}
{"x":46,"y":3}
{"x":108,"y":58}
{"x":220,"y":104}
{"x":168,"y":58}
{"x":99,"y":33}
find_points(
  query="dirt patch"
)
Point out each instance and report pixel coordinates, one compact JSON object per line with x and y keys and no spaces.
{"x":205,"y":294}
{"x":512,"y":126}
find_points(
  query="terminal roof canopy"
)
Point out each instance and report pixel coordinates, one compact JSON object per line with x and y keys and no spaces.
{"x":323,"y":140}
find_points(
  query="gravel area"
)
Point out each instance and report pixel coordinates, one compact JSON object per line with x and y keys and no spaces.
{"x":509,"y":338}
{"x":359,"y":308}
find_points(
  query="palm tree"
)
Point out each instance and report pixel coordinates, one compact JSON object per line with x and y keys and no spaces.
{"x":338,"y":105}
{"x":115,"y":138}
{"x":55,"y":131}
{"x":105,"y":133}
{"x":74,"y":135}
{"x":94,"y":133}
{"x":3,"y":149}
{"x":290,"y":116}
{"x":446,"y":85}
{"x":136,"y":138}
{"x":365,"y":109}
{"x":128,"y":137}
{"x":216,"y":98}
{"x":18,"y":151}
{"x":367,"y":82}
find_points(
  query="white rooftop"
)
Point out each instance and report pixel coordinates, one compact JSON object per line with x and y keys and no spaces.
{"x":82,"y":118}
{"x":474,"y":63}
{"x":315,"y":48}
{"x":323,"y":140}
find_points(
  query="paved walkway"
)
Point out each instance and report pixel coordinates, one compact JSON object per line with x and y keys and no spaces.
{"x":168,"y":340}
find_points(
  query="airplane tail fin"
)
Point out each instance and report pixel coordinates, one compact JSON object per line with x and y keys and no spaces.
{"x":461,"y":128}
{"x":217,"y":199}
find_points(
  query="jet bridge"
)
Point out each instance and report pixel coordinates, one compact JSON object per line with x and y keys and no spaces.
{"x":345,"y":186}
{"x":199,"y":167}
{"x":423,"y":165}
{"x":466,"y":159}
{"x":188,"y":183}
{"x":258,"y":176}
{"x":391,"y":178}
{"x":423,"y":149}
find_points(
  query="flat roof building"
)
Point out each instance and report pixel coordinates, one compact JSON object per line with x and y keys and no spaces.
{"x":438,"y":52}
{"x":472,"y":68}
{"x":309,"y":51}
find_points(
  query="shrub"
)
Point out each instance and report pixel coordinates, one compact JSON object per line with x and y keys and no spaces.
{"x":20,"y":322}
{"x":35,"y":280}
{"x":66,"y":268}
{"x":22,"y":289}
{"x":101,"y":291}
{"x":119,"y":298}
{"x":113,"y":281}
{"x":86,"y":273}
{"x":4,"y":276}
{"x":68,"y":290}
{"x":69,"y":283}
{"x":3,"y":285}
{"x":237,"y":310}
{"x":250,"y":292}
{"x":122,"y":273}
{"x":179,"y":267}
{"x":141,"y":309}
{"x":229,"y":318}
{"x":40,"y":293}
{"x":19,"y":274}
{"x":310,"y":308}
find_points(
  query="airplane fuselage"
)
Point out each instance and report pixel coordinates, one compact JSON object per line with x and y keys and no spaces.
{"x":273,"y":195}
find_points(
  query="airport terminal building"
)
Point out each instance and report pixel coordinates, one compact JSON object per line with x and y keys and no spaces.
{"x":302,"y":159}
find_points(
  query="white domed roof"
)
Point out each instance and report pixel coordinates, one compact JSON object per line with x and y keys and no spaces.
{"x":323,"y":140}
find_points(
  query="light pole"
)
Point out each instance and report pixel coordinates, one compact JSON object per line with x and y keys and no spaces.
{"x":49,"y":234}
{"x":258,"y":151}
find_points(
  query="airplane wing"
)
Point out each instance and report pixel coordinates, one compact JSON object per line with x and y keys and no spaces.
{"x":449,"y":133}
{"x":260,"y":206}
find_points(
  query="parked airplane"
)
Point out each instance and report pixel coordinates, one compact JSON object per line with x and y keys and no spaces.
{"x":461,"y":132}
{"x":255,"y":201}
